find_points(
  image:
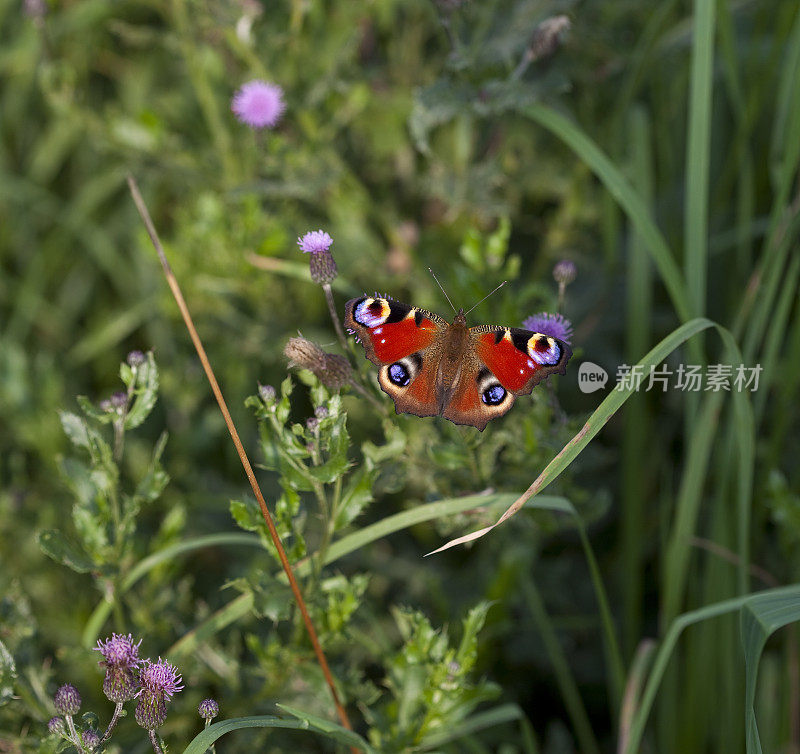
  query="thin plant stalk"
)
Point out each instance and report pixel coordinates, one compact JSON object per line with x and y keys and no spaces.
{"x":176,"y":292}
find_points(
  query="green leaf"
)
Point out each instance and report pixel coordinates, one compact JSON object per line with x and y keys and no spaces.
{"x":437,"y":104}
{"x":75,"y":429}
{"x":156,"y":479}
{"x":202,"y":741}
{"x":331,"y":470}
{"x":356,"y":496}
{"x":91,"y":530}
{"x":88,"y":408}
{"x":145,"y":392}
{"x":56,"y":546}
{"x":8,"y":673}
{"x":760,"y":617}
{"x":334,"y":731}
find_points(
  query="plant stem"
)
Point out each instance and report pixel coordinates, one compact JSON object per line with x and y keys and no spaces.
{"x":156,"y":745}
{"x":334,"y":316}
{"x":112,"y":724}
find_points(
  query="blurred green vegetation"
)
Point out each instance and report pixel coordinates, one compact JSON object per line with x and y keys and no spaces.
{"x":657,"y":148}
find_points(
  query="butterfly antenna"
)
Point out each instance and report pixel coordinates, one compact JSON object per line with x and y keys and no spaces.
{"x":443,"y":290}
{"x":488,"y":294}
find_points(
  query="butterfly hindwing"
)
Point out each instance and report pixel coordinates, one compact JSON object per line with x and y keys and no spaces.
{"x":397,"y":337}
{"x":520,"y":359}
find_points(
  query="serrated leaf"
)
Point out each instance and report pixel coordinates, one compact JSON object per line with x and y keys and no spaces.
{"x":156,"y":479}
{"x":75,"y":429}
{"x":145,"y":392}
{"x":331,"y":470}
{"x":246,"y":516}
{"x":272,"y":599}
{"x":356,"y":496}
{"x":91,"y":531}
{"x":8,"y":673}
{"x":435,"y":105}
{"x":93,"y":412}
{"x":78,"y":478}
{"x":56,"y":546}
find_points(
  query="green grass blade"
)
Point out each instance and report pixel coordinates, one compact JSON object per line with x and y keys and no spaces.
{"x":621,"y":189}
{"x":594,"y":424}
{"x":697,"y":155}
{"x":698,"y":453}
{"x":100,"y":614}
{"x":671,"y":637}
{"x":637,"y":437}
{"x":504,"y":713}
{"x":760,"y":617}
{"x":227,"y":615}
{"x":201,"y":742}
{"x":564,"y":677}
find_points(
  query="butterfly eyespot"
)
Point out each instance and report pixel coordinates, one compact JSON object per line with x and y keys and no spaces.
{"x":399,"y":375}
{"x":493,"y":395}
{"x":544,"y":350}
{"x":372,"y":312}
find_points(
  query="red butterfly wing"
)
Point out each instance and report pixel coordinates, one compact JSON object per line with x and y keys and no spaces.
{"x":390,"y":330}
{"x":520,"y":358}
{"x":397,"y":337}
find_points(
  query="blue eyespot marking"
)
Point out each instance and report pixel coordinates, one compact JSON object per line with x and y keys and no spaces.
{"x":493,"y":395}
{"x":544,"y":350}
{"x":372,"y":312}
{"x":398,"y":375}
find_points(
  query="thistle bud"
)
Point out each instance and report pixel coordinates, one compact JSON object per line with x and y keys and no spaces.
{"x":267,"y":393}
{"x":305,"y":354}
{"x":90,"y":738}
{"x":564,"y":272}
{"x":208,"y":709}
{"x":337,"y":371}
{"x":135,"y":358}
{"x":547,"y":37}
{"x":321,"y":264}
{"x":56,"y":725}
{"x":67,"y":700}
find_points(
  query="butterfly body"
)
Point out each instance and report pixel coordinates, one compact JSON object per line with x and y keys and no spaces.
{"x":431,"y":367}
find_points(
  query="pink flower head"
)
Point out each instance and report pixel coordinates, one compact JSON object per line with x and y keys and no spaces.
{"x":258,"y":104}
{"x":119,"y":651}
{"x":159,"y":679}
{"x":315,"y":242}
{"x":553,"y":325}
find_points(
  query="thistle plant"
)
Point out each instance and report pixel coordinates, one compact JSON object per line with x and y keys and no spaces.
{"x":127,"y":677}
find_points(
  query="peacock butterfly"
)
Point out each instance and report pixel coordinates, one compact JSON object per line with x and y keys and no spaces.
{"x":430,"y":367}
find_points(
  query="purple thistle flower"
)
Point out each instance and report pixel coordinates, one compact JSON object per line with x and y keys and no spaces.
{"x":56,"y":725}
{"x":159,"y":679}
{"x":135,"y":358}
{"x":90,"y":738}
{"x":258,"y":104}
{"x":564,"y":272}
{"x":554,"y":325}
{"x":267,"y":393}
{"x":315,"y":242}
{"x":208,"y":709}
{"x":119,"y":651}
{"x":67,"y":700}
{"x":321,"y":265}
{"x":150,"y":712}
{"x":121,"y":657}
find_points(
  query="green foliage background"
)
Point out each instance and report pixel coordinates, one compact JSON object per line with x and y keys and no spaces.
{"x":657,"y":149}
